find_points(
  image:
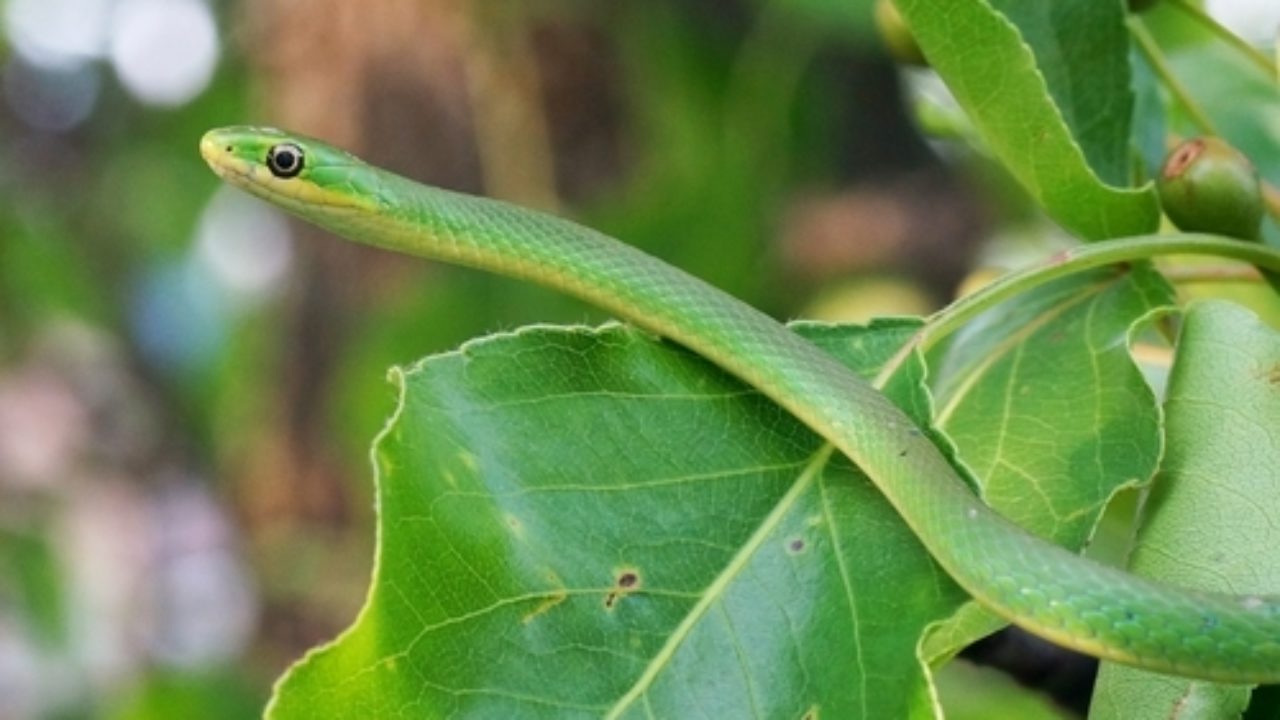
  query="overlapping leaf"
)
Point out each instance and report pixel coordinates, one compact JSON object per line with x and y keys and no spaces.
{"x":1047,"y":86}
{"x":1048,"y":411}
{"x":1213,"y":517}
{"x":1081,"y":51}
{"x":1047,"y":408}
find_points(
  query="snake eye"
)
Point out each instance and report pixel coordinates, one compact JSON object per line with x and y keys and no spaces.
{"x":285,"y":160}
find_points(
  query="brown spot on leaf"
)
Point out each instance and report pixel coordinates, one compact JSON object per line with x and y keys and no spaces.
{"x":796,"y":546}
{"x":517,"y":527}
{"x":625,"y":582}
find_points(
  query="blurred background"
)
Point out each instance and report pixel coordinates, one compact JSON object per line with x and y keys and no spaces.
{"x":189,"y":382}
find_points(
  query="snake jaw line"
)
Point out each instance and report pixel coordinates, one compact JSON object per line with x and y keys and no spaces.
{"x":239,"y":156}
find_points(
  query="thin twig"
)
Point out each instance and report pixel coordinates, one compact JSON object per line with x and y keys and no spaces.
{"x":1155,"y":57}
{"x":1271,"y":198}
{"x":1251,"y":53}
{"x":1085,"y":257}
{"x":1187,"y":274}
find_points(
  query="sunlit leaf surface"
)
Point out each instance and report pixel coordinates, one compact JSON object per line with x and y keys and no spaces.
{"x":581,"y":522}
{"x":585,"y":522}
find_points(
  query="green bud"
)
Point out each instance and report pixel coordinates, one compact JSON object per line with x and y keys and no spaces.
{"x":1207,"y":185}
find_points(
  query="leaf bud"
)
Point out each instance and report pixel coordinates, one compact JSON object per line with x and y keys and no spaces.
{"x":1207,"y":185}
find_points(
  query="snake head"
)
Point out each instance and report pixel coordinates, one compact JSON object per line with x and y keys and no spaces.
{"x":293,"y":171}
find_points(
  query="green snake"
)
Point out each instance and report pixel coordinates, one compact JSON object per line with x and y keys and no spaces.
{"x":1029,"y":581}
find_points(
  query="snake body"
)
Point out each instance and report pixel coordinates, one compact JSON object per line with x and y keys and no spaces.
{"x":1043,"y":588}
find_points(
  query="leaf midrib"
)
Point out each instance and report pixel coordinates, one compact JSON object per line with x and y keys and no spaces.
{"x":716,"y":589}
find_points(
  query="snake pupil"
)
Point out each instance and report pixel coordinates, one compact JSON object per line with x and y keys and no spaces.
{"x":285,"y":160}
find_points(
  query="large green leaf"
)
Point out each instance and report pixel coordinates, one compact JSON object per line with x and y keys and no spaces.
{"x":574,"y":522}
{"x":1047,"y":86}
{"x":1213,"y":517}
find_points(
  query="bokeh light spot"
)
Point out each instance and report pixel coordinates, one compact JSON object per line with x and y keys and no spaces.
{"x":1254,"y":20}
{"x":57,"y":33}
{"x":244,"y":243}
{"x":178,"y":316}
{"x":53,"y":98}
{"x":164,"y":51}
